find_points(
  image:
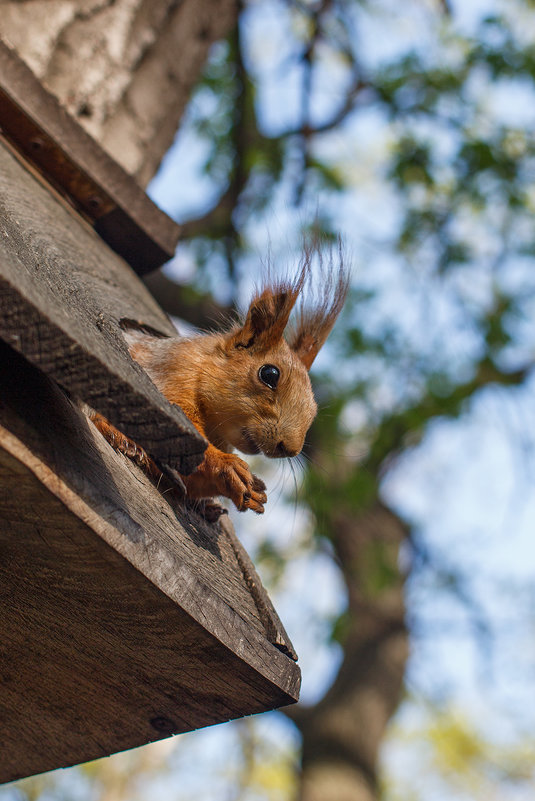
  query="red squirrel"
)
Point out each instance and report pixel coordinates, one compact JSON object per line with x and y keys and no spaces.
{"x":246,"y":388}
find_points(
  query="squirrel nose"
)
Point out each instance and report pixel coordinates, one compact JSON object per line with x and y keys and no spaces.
{"x":282,"y":450}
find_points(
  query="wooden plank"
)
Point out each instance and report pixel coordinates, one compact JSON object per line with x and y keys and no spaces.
{"x":122,"y":620}
{"x":72,"y":161}
{"x":63,"y":293}
{"x":39,"y":415}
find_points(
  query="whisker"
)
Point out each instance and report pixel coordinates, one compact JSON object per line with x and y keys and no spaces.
{"x":314,"y":463}
{"x":296,"y":491}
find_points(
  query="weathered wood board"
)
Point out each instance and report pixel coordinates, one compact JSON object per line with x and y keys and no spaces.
{"x":118,"y":208}
{"x":123,"y":617}
{"x":63,"y":293}
{"x":122,"y":620}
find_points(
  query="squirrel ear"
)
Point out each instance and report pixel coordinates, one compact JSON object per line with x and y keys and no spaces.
{"x":314,"y":324}
{"x":306,"y":347}
{"x":267,"y":316}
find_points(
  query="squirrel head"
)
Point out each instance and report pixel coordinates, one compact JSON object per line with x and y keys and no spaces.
{"x":249,"y":388}
{"x":263,"y":399}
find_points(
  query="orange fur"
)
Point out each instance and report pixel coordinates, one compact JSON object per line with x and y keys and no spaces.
{"x":215,"y":379}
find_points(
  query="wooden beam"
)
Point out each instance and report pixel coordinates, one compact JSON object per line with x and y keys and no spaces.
{"x":72,"y":161}
{"x":63,"y":294}
{"x":122,"y":619}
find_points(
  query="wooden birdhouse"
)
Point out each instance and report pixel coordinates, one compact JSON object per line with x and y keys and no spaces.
{"x":123,"y":617}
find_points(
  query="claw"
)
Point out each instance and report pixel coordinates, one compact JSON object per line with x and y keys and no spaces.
{"x":256,"y":507}
{"x":208,"y":509}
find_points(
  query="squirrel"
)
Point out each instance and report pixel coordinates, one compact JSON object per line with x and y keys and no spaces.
{"x":246,"y":388}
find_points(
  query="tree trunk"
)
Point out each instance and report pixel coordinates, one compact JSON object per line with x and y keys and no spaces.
{"x":342,"y":733}
{"x":124,"y":68}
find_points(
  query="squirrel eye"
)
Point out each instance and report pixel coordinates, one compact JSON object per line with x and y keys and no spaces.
{"x":269,"y":374}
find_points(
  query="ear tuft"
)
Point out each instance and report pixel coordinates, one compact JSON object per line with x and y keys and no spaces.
{"x":315,"y":322}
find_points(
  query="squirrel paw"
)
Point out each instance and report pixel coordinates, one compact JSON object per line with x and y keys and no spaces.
{"x":209,"y":509}
{"x":226,"y":474}
{"x":246,"y":490}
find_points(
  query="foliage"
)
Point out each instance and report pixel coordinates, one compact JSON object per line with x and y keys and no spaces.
{"x":456,"y":756}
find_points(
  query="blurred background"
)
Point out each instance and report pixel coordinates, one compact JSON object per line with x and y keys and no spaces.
{"x":399,"y":548}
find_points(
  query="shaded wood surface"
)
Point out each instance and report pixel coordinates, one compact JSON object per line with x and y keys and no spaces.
{"x":62,"y":295}
{"x":122,"y":619}
{"x":118,"y":208}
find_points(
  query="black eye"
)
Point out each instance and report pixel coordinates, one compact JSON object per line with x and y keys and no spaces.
{"x":269,"y":374}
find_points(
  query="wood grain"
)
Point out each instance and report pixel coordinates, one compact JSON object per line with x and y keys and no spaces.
{"x":62,"y":295}
{"x":80,"y":169}
{"x":122,"y":619}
